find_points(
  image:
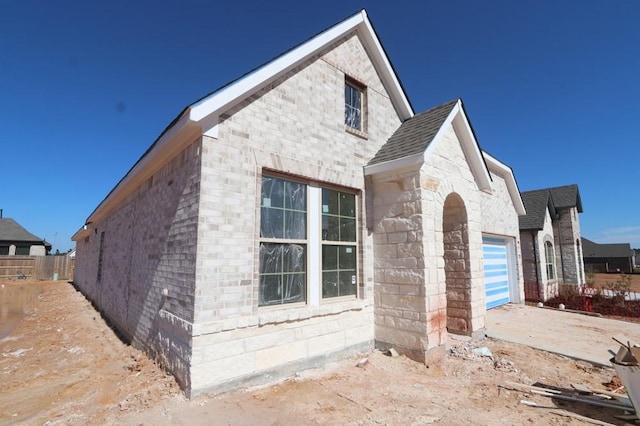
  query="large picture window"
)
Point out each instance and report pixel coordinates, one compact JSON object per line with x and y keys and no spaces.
{"x":308,"y":243}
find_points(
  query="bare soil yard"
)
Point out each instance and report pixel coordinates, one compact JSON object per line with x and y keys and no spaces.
{"x":62,"y":364}
{"x":606,"y":280}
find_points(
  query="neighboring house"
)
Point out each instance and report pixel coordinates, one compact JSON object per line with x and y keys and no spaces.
{"x":17,"y":241}
{"x":608,"y":257}
{"x":300,"y":214}
{"x":550,"y":238}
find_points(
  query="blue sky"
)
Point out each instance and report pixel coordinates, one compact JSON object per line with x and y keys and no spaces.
{"x":551,"y":88}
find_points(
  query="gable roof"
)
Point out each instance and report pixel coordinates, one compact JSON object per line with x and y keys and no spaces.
{"x":202,"y":116}
{"x":417,"y":137}
{"x":536,"y":201}
{"x":414,"y":135}
{"x":592,"y":249}
{"x":10,"y":231}
{"x":536,"y":204}
{"x":566,"y":196}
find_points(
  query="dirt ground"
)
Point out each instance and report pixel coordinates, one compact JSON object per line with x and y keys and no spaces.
{"x":62,"y":365}
{"x":605,"y":280}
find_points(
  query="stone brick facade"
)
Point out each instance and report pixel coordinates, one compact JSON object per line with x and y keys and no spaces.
{"x":428,"y":249}
{"x":569,"y":255}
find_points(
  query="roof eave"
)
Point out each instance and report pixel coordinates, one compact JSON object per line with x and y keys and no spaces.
{"x":410,"y":161}
{"x":175,"y":139}
{"x":471,"y":147}
{"x":512,"y":186}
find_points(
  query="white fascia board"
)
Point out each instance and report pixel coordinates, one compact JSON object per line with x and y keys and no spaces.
{"x":233,"y":94}
{"x":394,"y":165}
{"x":175,"y":139}
{"x":471,"y":150}
{"x":236,"y":92}
{"x":512,"y":186}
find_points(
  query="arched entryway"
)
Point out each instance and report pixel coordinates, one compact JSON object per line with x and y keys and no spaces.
{"x":456,"y":264}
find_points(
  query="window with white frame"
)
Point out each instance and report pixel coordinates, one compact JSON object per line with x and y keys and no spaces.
{"x":338,"y":243}
{"x":549,"y":256}
{"x":308,"y":243}
{"x":353,"y":105}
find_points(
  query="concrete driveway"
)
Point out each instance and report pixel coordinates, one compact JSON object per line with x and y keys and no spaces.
{"x":575,"y":335}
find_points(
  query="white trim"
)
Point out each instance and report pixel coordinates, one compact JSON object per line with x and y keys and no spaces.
{"x":470,"y":147}
{"x":314,"y":244}
{"x":393,"y":165}
{"x":505,"y":171}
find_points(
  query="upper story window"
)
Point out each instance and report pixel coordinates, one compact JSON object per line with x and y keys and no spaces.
{"x":549,"y":256}
{"x":308,"y":243}
{"x":353,"y":105}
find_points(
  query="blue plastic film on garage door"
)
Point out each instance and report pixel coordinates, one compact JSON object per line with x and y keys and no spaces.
{"x":496,"y":271}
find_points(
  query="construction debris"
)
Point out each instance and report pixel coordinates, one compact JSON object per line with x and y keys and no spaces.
{"x":626,"y":362}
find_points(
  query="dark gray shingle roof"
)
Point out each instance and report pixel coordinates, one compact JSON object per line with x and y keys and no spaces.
{"x":591,"y":249}
{"x":414,"y":135}
{"x":10,"y":230}
{"x":566,"y":196}
{"x":536,"y":204}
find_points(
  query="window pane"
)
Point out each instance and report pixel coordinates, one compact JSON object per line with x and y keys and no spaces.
{"x":347,"y":204}
{"x":353,"y":106}
{"x":330,"y":202}
{"x":296,"y":225}
{"x":294,"y":288}
{"x":347,"y":229}
{"x":330,"y":284}
{"x":282,"y":273}
{"x":331,"y":228}
{"x":329,"y":257}
{"x":347,"y":284}
{"x":272,"y":192}
{"x":270,"y":258}
{"x":294,"y":259}
{"x":271,"y":223}
{"x":347,"y":258}
{"x":270,"y":290}
{"x":295,"y":196}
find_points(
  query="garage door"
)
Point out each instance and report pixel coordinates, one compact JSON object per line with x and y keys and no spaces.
{"x":496,"y":271}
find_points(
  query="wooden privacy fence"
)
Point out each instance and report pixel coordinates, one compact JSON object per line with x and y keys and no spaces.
{"x":36,"y":267}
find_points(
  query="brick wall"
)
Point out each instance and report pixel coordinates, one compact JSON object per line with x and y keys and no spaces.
{"x":149,"y":245}
{"x":293,"y":126}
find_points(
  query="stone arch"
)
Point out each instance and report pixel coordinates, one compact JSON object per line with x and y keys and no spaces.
{"x":455,"y":229}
